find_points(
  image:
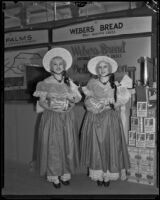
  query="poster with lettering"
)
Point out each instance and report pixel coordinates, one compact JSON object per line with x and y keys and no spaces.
{"x":23,"y":38}
{"x":103,"y":28}
{"x":150,"y":140}
{"x":125,"y":51}
{"x":134,"y":124}
{"x":132,"y":138}
{"x":140,"y":139}
{"x":15,"y":66}
{"x":142,"y":109}
{"x":149,"y":125}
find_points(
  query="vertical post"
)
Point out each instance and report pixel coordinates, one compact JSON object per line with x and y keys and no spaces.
{"x":145,"y":71}
{"x":55,"y":11}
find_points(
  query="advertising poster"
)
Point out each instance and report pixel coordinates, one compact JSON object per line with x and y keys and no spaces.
{"x":141,"y":109}
{"x":23,"y":38}
{"x":15,"y":66}
{"x":150,"y":140}
{"x":132,"y":138}
{"x":140,"y":139}
{"x":149,"y":124}
{"x":125,"y":51}
{"x":134,"y":124}
{"x":103,"y":28}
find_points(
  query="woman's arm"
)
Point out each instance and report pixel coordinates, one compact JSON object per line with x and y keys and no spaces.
{"x":44,"y":104}
{"x":74,"y":96}
{"x":123,"y":96}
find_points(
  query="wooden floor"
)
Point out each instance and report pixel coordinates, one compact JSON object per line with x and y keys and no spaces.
{"x":19,"y":179}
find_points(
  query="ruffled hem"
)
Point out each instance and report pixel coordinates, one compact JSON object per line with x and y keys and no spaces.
{"x":96,"y":175}
{"x":106,"y":176}
{"x":53,"y":179}
{"x":66,"y":177}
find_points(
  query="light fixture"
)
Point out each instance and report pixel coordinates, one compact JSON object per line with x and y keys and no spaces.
{"x":153,"y":5}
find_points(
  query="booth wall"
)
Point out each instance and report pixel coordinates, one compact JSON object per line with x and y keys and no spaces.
{"x":20,"y":120}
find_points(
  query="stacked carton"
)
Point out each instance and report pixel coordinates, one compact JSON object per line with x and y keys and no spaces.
{"x":142,"y":144}
{"x":143,"y":165}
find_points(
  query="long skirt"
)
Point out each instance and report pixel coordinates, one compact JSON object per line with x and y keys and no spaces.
{"x":58,"y":146}
{"x":103,"y":146}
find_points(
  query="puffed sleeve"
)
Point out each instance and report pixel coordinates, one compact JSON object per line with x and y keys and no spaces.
{"x":123,"y":95}
{"x":40,"y":90}
{"x":91,"y":102}
{"x":87,"y":92}
{"x":88,"y":89}
{"x":41,"y":93}
{"x":75,"y":92}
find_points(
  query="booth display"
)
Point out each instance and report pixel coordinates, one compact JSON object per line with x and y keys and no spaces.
{"x":142,"y":145}
{"x":142,"y":136}
{"x":129,"y":40}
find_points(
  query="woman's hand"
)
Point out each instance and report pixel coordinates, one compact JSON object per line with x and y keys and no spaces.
{"x":74,"y":97}
{"x":111,"y":101}
{"x":71,"y":99}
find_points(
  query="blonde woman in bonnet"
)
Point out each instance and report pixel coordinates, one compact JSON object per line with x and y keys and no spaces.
{"x":103,"y":146}
{"x":58,"y":155}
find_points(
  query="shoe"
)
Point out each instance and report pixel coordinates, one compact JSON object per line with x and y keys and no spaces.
{"x":65,"y":182}
{"x":106,"y":184}
{"x":99,"y":183}
{"x":57,"y":185}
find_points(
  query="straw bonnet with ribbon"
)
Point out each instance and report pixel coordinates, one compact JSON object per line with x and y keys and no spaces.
{"x":57,"y":52}
{"x":94,"y":61}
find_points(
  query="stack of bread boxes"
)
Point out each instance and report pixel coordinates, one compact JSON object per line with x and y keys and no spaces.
{"x":142,"y":144}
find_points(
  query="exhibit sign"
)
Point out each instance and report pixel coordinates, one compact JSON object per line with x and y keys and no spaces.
{"x":125,"y":51}
{"x":23,"y":38}
{"x":103,"y":28}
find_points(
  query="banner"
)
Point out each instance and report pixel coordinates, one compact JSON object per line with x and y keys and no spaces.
{"x":23,"y":38}
{"x":103,"y":28}
{"x":15,"y":66}
{"x":125,"y":51}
